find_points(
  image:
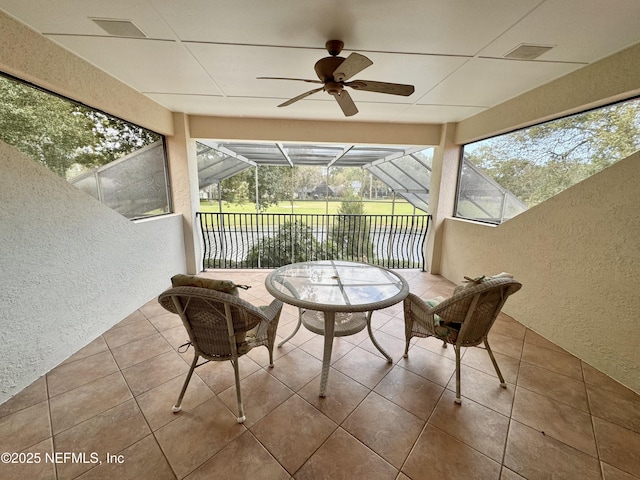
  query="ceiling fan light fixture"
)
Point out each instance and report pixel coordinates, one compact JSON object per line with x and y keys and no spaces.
{"x":119,"y":28}
{"x":527,"y":51}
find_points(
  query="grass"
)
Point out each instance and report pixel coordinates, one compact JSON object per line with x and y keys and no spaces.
{"x":402,"y":207}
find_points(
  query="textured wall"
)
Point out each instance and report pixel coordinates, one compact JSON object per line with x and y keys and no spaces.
{"x":71,"y":268}
{"x":578,"y":258}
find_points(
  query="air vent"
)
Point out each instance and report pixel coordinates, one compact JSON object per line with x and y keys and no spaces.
{"x":119,"y":28}
{"x":526,"y":51}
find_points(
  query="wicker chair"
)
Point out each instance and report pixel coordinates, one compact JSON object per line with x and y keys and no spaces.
{"x":463,"y":320}
{"x":212,"y":320}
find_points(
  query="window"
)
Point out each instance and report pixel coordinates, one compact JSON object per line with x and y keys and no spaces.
{"x":503,"y":176}
{"x":120,"y":164}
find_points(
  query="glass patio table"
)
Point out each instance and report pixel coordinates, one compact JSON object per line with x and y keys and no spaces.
{"x":336,"y":298}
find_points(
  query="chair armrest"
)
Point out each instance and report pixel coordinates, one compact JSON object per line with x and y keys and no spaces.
{"x":273,"y":310}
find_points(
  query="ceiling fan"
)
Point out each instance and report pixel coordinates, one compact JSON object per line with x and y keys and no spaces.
{"x":334,"y":71}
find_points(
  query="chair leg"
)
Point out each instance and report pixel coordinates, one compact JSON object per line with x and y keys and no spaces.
{"x":176,"y":408}
{"x":458,"y":399}
{"x":241,"y":416}
{"x":495,"y":364}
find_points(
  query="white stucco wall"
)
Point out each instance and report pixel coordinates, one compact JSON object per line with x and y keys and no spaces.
{"x":578,"y":258}
{"x":71,"y":268}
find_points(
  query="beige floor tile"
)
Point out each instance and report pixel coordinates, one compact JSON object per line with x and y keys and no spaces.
{"x":296,"y":369}
{"x":143,"y":459}
{"x":611,"y":407}
{"x":509,"y":346}
{"x":535,"y":455}
{"x":72,"y":375}
{"x":176,"y":336}
{"x":390,"y":344}
{"x":166,"y":321}
{"x":473,"y":424}
{"x":432,"y":458}
{"x":393,"y":432}
{"x":618,"y":446}
{"x":342,"y":457}
{"x":34,"y":393}
{"x":156,"y":404}
{"x":395,"y":328}
{"x":315,"y":347}
{"x":96,"y":346}
{"x":507,"y":474}
{"x":410,"y":391}
{"x":564,"y":389}
{"x":261,"y":394}
{"x":537,"y":339}
{"x":344,"y":395}
{"x":429,"y":365}
{"x":557,"y":420}
{"x":243,"y":458}
{"x":436,"y":346}
{"x":135,"y":352}
{"x":25,"y":428}
{"x":484,"y":389}
{"x":293,"y":431}
{"x":34,"y":466}
{"x":109,"y":432}
{"x":479,"y":359}
{"x":197,"y":435}
{"x":612,"y":473}
{"x":599,"y":379}
{"x":129,"y":333}
{"x":82,"y":403}
{"x":220,"y":375}
{"x":505,"y":325}
{"x":135,"y":317}
{"x":152,"y":308}
{"x":153,"y":372}
{"x":558,"y":362}
{"x":364,"y":367}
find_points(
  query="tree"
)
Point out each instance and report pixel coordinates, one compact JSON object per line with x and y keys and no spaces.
{"x":351,"y":235}
{"x":59,"y":133}
{"x":294,"y":242}
{"x":538,"y":162}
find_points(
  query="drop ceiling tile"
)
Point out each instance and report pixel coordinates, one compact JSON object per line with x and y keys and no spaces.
{"x":579,"y":30}
{"x":419,"y":26}
{"x":146,"y":65}
{"x":487,"y":82}
{"x":73,"y":17}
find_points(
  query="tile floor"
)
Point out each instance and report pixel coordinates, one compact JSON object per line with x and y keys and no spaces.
{"x":558,"y":418}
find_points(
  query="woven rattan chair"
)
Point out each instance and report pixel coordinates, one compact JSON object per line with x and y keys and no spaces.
{"x":463,"y":320}
{"x":212,"y":320}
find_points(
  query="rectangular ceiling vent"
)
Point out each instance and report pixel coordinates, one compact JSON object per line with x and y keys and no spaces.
{"x":526,"y":51}
{"x":119,"y":28}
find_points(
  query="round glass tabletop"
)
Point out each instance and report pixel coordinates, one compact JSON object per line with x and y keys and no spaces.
{"x":340,"y":286}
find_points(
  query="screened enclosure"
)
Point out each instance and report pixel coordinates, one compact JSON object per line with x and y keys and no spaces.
{"x":406,"y":171}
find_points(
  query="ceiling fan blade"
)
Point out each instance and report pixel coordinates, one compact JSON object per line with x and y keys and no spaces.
{"x":382,"y":87}
{"x":351,"y":66}
{"x":300,"y":97}
{"x":286,"y":78}
{"x":346,"y":103}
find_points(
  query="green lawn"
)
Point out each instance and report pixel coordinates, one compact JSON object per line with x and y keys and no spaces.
{"x":402,"y":207}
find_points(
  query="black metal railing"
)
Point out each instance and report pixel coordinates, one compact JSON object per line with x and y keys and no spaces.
{"x":244,"y":240}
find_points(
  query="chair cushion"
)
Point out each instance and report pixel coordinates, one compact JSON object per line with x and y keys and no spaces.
{"x":225,"y":286}
{"x":444,"y":331}
{"x":473,"y":281}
